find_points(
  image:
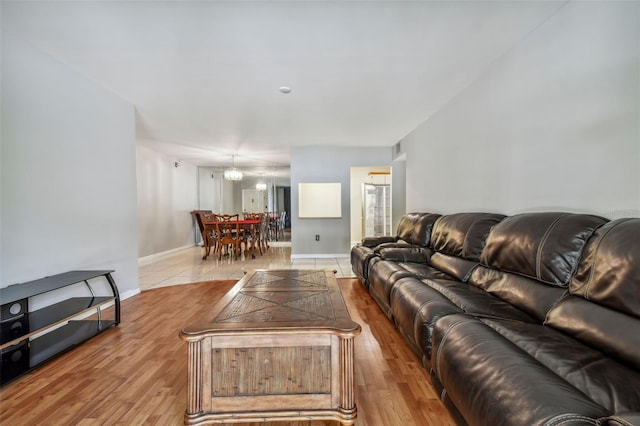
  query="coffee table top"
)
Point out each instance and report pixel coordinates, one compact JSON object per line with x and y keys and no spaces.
{"x":281,"y":300}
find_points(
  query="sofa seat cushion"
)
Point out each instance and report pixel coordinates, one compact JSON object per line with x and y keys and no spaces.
{"x":415,"y":308}
{"x":417,"y":304}
{"x":383,"y":275}
{"x":422,"y":271}
{"x":606,"y":381}
{"x":477,"y":302}
{"x":492,"y":381}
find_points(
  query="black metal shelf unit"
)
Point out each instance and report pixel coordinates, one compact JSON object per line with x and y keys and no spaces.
{"x":29,"y":338}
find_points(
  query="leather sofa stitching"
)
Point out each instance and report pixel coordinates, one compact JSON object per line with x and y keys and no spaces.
{"x":416,"y":318}
{"x":555,"y":302}
{"x":541,"y":246}
{"x":568,"y":418}
{"x":442,"y":343}
{"x":467,"y":277}
{"x":588,"y":286}
{"x":619,"y":420}
{"x":464,"y":253}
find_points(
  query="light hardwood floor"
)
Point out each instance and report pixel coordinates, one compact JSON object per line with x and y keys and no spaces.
{"x":135,"y":373}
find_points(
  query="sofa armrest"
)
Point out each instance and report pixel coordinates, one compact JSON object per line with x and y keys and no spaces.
{"x":623,"y":419}
{"x":405,"y":254}
{"x":376,"y":241}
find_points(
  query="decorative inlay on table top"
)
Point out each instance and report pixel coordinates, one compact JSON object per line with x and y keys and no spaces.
{"x":281,"y":296}
{"x":292,"y":280}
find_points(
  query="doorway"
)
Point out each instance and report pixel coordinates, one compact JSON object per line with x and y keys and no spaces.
{"x":371,"y":202}
{"x":376,"y":208}
{"x":282,"y":203}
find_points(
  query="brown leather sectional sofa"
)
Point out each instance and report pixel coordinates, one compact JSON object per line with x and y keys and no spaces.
{"x":531,"y":319}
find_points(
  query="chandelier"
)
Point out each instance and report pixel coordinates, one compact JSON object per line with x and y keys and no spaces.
{"x":261,"y":186}
{"x":233,"y":173}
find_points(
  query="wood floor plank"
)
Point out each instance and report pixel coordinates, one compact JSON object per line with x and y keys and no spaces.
{"x":136,"y":373}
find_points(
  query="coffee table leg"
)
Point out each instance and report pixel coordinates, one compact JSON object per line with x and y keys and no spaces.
{"x":347,"y":400}
{"x":194,"y":380}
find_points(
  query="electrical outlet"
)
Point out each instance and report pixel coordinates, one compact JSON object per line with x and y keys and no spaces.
{"x":317,"y":237}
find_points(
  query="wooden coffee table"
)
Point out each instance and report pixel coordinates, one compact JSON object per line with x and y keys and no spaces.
{"x":277,"y":346}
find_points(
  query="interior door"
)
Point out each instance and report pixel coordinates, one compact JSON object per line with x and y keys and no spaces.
{"x":253,"y":201}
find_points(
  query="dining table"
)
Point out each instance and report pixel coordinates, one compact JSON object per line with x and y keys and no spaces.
{"x":249,"y":225}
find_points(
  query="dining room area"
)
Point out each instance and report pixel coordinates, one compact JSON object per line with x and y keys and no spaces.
{"x":264,"y":242}
{"x":170,"y":241}
{"x":238,"y":235}
{"x":241,"y":210}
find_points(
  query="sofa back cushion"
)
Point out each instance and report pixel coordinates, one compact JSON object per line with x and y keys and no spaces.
{"x":457,"y":241}
{"x":609,"y":272}
{"x":542,"y":246}
{"x":603,"y":307}
{"x":529,"y":258}
{"x":463,"y":234}
{"x":415,"y":228}
{"x":457,"y":267}
{"x":527,"y":294}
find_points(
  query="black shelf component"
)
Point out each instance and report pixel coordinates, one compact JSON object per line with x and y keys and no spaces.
{"x":63,"y":339}
{"x":52,"y":314}
{"x":30,"y":338}
{"x":19,"y":291}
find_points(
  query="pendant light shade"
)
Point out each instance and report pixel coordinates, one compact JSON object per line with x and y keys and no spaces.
{"x":233,"y":173}
{"x":261,"y":186}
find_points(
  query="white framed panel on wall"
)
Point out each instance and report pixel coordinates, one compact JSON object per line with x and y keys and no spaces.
{"x":319,"y":200}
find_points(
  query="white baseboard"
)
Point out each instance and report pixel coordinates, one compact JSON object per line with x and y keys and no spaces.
{"x":156,"y":256}
{"x":129,"y":293}
{"x":319,"y":256}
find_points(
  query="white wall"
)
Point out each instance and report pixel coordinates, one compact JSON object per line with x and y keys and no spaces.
{"x":398,"y":191}
{"x":209,"y":189}
{"x":327,"y":164}
{"x":552,"y":125}
{"x":68,"y":172}
{"x":166,"y":196}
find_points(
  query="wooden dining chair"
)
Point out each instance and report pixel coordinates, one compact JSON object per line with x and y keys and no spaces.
{"x":227,"y":217}
{"x":227,"y":237}
{"x":255,"y":234}
{"x":207,"y":232}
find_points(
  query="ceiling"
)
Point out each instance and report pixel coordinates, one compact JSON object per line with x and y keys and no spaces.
{"x":204,"y":76}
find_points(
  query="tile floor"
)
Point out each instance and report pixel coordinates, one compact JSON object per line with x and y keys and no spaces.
{"x":187,"y":266}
